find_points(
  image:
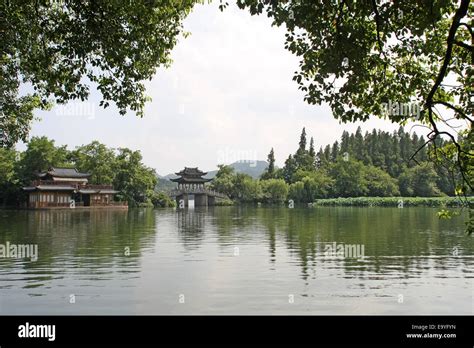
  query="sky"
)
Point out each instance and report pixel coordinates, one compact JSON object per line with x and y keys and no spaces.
{"x":228,"y":96}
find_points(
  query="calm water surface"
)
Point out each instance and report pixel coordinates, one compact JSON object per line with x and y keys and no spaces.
{"x":237,"y":260}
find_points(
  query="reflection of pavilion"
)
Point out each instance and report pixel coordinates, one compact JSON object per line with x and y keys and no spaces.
{"x":192,"y":186}
{"x":191,"y":226}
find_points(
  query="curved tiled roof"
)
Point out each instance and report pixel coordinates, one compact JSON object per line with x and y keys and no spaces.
{"x":191,"y":180}
{"x":49,"y":188}
{"x":64,"y":173}
{"x":191,"y":171}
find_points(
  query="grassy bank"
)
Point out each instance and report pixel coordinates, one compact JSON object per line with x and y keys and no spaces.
{"x":392,"y":202}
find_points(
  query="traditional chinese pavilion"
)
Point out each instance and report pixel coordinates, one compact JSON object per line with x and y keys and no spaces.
{"x":192,"y":186}
{"x":68,"y":188}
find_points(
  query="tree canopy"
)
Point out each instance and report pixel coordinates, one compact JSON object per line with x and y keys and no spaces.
{"x":61,"y":48}
{"x":377,"y":58}
{"x":121,"y":167}
{"x":374,"y":164}
{"x":361,"y":57}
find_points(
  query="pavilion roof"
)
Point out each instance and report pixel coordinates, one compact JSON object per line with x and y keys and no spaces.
{"x":49,"y":188}
{"x":64,"y":173}
{"x":190,"y":171}
{"x":191,"y":180}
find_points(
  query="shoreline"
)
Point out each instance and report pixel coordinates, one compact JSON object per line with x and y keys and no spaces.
{"x":394,"y":202}
{"x":398,"y":202}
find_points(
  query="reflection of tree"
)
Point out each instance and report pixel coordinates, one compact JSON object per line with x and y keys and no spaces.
{"x":393,"y":239}
{"x":236,"y":222}
{"x":396,"y":241}
{"x":95,"y":237}
{"x":223,"y":220}
{"x":272,"y":240}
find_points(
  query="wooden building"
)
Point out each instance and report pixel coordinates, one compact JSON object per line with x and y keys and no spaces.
{"x":68,"y":188}
{"x":192,"y":186}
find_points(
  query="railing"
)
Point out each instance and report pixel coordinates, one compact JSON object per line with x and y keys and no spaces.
{"x":77,"y":204}
{"x":177,"y":192}
{"x":108,"y":204}
{"x":54,"y":183}
{"x":47,"y":205}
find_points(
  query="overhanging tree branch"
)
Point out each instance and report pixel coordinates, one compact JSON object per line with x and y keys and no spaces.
{"x":460,"y":13}
{"x":456,"y":109}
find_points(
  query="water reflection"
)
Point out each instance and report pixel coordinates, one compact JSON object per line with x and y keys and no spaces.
{"x":191,"y":225}
{"x":394,"y":240}
{"x":120,"y":257}
{"x":88,"y":243}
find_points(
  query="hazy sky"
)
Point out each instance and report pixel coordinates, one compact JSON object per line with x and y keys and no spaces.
{"x":228,"y":96}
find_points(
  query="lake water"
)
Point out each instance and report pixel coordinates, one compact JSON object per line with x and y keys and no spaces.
{"x":238,"y":260}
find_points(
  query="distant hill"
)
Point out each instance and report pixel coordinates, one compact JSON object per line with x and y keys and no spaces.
{"x":252,"y":168}
{"x":168,"y":176}
{"x":164,"y":184}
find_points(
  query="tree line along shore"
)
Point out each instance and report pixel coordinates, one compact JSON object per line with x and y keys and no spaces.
{"x":377,"y":168}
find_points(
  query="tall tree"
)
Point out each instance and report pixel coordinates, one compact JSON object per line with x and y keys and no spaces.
{"x":270,"y":170}
{"x":311,"y":151}
{"x":335,"y":151}
{"x":311,"y":147}
{"x":223,"y":182}
{"x":135,"y":181}
{"x":289,"y":169}
{"x":345,"y":148}
{"x":320,"y":160}
{"x":302,"y":143}
{"x":359,"y":146}
{"x":41,"y":153}
{"x":97,"y":159}
{"x":327,"y":153}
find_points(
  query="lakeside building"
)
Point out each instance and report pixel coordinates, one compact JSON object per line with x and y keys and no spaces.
{"x":192,"y":187}
{"x":68,"y":188}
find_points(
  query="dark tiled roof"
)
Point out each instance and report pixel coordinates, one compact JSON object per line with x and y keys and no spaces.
{"x":49,"y":188}
{"x":64,"y":173}
{"x":188,"y":171}
{"x":191,"y":180}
